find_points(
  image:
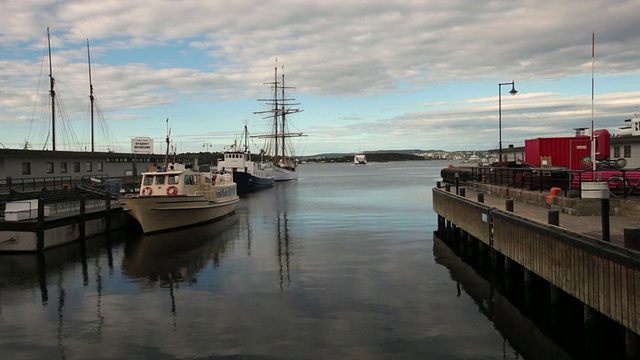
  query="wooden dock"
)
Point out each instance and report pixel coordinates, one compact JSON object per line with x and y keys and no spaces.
{"x":545,"y":244}
{"x":60,"y":220}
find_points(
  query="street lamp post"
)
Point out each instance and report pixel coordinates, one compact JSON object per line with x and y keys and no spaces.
{"x":513,"y":92}
{"x":207,"y":146}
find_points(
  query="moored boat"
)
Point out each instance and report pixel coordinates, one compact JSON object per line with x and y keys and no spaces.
{"x":359,"y":159}
{"x":249,"y":175}
{"x":279,"y":146}
{"x":181,"y":197}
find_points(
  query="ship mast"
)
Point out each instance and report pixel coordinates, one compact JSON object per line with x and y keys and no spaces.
{"x":166,"y":155}
{"x":281,"y":106}
{"x":53,"y":95}
{"x":275,"y":114}
{"x":91,"y":97}
{"x":283,"y":121}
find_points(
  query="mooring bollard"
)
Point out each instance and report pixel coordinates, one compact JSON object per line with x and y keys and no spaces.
{"x":438,"y":184}
{"x":481,"y":197}
{"x":632,"y":238}
{"x":509,"y":205}
{"x":447,"y":187}
{"x":462,"y":192}
{"x":605,"y":207}
{"x":554,"y":217}
{"x":457,"y":177}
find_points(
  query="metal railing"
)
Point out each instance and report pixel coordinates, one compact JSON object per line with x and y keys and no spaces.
{"x":540,"y":179}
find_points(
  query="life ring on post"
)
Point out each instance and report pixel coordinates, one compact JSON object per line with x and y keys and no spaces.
{"x":172,"y":190}
{"x":147,"y":190}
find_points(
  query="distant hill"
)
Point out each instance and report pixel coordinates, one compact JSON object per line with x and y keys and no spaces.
{"x":372,"y":156}
{"x":339,"y":155}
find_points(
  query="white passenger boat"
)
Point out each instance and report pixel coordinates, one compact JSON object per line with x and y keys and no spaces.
{"x":181,"y":197}
{"x":359,"y":159}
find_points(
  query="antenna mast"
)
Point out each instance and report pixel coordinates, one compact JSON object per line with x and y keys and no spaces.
{"x":593,"y":138}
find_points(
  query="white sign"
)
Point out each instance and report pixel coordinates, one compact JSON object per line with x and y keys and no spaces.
{"x":142,"y":145}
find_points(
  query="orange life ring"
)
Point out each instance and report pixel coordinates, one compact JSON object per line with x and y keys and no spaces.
{"x":147,"y":190}
{"x":172,"y":190}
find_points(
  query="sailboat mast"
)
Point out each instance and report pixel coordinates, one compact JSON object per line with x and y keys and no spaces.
{"x":166,"y":155}
{"x":275,"y":114}
{"x":53,"y":95}
{"x":283,"y":120}
{"x":91,"y":97}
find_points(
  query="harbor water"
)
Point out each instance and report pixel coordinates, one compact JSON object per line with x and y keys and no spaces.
{"x":340,"y":264}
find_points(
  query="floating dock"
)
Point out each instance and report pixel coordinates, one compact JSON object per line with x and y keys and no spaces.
{"x":37,"y":224}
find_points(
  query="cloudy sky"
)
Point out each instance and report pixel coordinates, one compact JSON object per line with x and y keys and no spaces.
{"x":368,"y":74}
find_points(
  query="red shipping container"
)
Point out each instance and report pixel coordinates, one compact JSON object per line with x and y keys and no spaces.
{"x":564,"y":152}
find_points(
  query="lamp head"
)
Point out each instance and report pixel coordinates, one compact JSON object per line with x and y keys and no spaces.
{"x":513,"y":91}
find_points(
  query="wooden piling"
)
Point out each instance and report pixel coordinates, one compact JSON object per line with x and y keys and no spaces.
{"x":40,"y":225}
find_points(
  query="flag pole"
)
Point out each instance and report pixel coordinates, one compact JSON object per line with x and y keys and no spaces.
{"x":593,"y":138}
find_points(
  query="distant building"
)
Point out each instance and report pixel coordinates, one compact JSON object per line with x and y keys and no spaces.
{"x":33,"y":164}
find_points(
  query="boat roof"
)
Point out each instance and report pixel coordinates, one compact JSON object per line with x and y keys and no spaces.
{"x":170,"y":172}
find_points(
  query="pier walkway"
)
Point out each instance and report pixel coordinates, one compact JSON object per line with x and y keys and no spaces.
{"x":561,"y":253}
{"x":587,"y":225}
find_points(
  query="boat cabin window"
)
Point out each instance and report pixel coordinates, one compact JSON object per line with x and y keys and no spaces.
{"x":226,"y":191}
{"x":174,"y":179}
{"x":190,"y":180}
{"x":26,"y":168}
{"x":148,"y":180}
{"x":160,"y":180}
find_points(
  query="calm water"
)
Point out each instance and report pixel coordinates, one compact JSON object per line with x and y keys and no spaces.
{"x":341,"y":264}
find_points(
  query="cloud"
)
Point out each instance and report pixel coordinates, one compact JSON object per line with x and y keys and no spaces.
{"x":152,"y":54}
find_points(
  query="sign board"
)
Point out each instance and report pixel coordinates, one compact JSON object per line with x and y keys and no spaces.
{"x":142,"y":145}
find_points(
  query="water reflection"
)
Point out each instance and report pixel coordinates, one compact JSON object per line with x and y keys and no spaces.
{"x":24,"y":270}
{"x":23,"y":274}
{"x":282,"y":232}
{"x":283,"y":249}
{"x":523,"y":333}
{"x":178,"y":256}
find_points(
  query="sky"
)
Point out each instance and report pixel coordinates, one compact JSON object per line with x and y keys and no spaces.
{"x":368,"y":74}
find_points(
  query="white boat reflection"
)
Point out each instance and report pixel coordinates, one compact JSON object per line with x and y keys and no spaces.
{"x":179,"y":255}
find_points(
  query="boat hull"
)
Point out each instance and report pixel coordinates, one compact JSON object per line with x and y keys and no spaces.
{"x":248,"y":183}
{"x":161,"y":213}
{"x":282,"y":174}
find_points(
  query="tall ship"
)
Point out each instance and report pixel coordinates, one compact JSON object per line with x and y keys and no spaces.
{"x":279,"y":146}
{"x":249,"y":174}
